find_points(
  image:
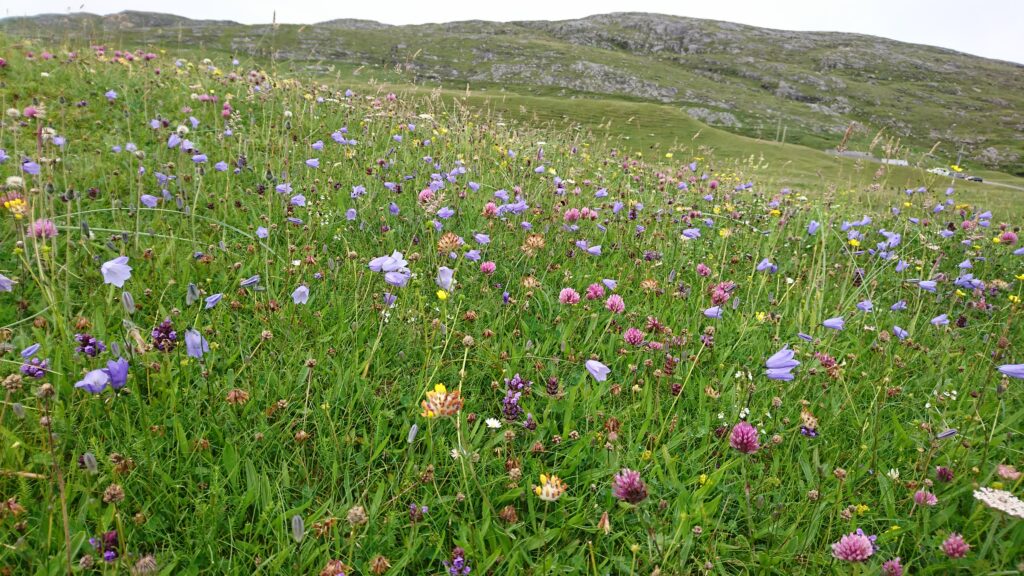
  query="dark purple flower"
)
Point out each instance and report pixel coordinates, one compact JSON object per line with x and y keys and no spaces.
{"x":416,"y":513}
{"x":530,"y":423}
{"x":510,"y":407}
{"x":164,"y":336}
{"x":35,"y":368}
{"x":458,"y":565}
{"x":89,"y":345}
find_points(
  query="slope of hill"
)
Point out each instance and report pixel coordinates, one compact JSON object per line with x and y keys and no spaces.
{"x":808,"y":87}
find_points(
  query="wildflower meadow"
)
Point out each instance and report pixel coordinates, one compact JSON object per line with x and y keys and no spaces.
{"x":262,"y":324}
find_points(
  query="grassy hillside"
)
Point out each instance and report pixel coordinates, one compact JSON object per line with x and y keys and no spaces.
{"x":259,"y":324}
{"x":810,"y":87}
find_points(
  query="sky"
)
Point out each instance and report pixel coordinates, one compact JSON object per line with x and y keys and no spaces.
{"x":990,"y":28}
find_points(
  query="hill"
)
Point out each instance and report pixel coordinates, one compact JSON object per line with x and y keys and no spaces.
{"x":807,"y":88}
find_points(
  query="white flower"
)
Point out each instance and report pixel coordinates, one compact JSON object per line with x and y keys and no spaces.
{"x":1000,"y":500}
{"x":493,"y":423}
{"x":893,"y":474}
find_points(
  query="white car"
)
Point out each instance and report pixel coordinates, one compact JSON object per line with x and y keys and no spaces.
{"x":939,"y":171}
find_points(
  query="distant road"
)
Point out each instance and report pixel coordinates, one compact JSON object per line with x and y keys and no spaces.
{"x":866,"y":156}
{"x":1004,"y":185}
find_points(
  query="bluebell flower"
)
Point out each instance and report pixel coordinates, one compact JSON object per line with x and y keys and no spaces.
{"x":836,"y":323}
{"x":445,"y":278}
{"x":116,"y":271}
{"x":117,"y":371}
{"x":94,"y":382}
{"x":195,"y":344}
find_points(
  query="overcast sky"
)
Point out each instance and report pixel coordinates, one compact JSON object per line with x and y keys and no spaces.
{"x":992,"y":28}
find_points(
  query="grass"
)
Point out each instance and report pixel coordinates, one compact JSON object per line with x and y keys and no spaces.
{"x":299,"y":437}
{"x":811,"y":85}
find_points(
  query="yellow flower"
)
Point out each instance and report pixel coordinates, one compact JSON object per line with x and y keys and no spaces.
{"x":703,"y":479}
{"x":996,"y":240}
{"x":862,"y":508}
{"x":854,"y":242}
{"x":960,"y":293}
{"x":646,"y":455}
{"x":1014,"y":298}
{"x":442,"y":295}
{"x":776,"y":212}
{"x":17,"y":206}
{"x":1019,"y":276}
{"x":441,"y":403}
{"x":668,"y":155}
{"x":761,"y":316}
{"x":551,"y":488}
{"x":725,"y":232}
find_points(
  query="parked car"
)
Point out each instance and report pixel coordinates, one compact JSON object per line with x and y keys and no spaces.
{"x":975,"y":178}
{"x":939,"y":171}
